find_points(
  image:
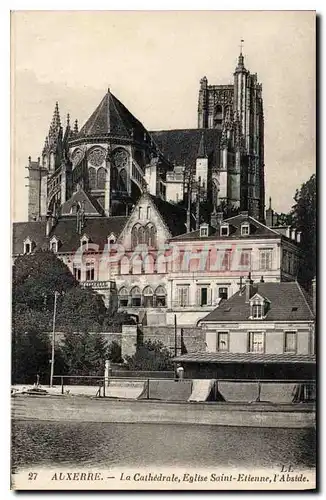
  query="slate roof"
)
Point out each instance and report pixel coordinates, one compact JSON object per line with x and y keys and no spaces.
{"x":288,"y":302}
{"x":112,"y":117}
{"x":175,"y":217}
{"x":97,"y":229}
{"x":257,"y":230}
{"x":33,"y":230}
{"x":248,"y":357}
{"x":91,"y":205}
{"x":184,"y":146}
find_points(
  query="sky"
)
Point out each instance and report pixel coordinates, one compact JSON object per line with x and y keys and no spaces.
{"x":153,"y":61}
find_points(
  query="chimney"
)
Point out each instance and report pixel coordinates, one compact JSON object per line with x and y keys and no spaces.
{"x":262,"y":279}
{"x":299,"y":237}
{"x":270,"y":214}
{"x":293,"y":233}
{"x":288,"y":232}
{"x":314,"y":295}
{"x":240,"y":286}
{"x":249,"y":288}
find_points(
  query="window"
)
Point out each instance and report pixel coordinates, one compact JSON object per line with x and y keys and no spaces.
{"x":92,"y":178}
{"x":256,"y":342}
{"x":123,"y":297}
{"x":245,"y":229}
{"x":148,"y":212}
{"x":203,"y":297}
{"x":101,"y":175}
{"x":150,"y":235}
{"x":222,"y":341}
{"x":183,"y":296}
{"x":84,"y":242}
{"x":28,"y":246}
{"x":223,"y":293}
{"x":160,"y":295}
{"x":245,"y":259}
{"x":204,"y":231}
{"x":226,"y":260}
{"x":135,"y":297}
{"x":54,"y":246}
{"x":265,"y":259}
{"x":290,"y":342}
{"x":134,"y":236}
{"x":148,"y":297}
{"x":224,"y":230}
{"x":77,"y":273}
{"x":140,"y":212}
{"x":257,"y":311}
{"x":90,"y":271}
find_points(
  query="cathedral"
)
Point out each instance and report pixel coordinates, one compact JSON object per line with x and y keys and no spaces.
{"x":113,"y":159}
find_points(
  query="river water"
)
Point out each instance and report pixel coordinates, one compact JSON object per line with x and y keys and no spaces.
{"x":79,"y":444}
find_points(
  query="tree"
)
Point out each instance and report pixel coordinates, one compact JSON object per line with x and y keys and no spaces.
{"x":84,"y":354}
{"x":30,"y":346}
{"x":81,"y":310}
{"x":304,"y":219}
{"x":37,"y":276}
{"x":152,"y":356}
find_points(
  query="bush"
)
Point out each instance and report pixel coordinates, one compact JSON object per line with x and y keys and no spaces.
{"x":150,"y":356}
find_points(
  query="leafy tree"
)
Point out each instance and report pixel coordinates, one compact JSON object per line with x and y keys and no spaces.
{"x":37,"y":276}
{"x":284,"y":219}
{"x":81,"y":310}
{"x":84,"y":354}
{"x":31,"y":349}
{"x":113,"y":322}
{"x":152,"y":356}
{"x":304,"y":219}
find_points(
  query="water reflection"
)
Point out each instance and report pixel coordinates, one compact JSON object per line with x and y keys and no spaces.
{"x":106,"y":445}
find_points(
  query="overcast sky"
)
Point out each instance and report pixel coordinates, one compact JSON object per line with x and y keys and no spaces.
{"x":153,"y":62}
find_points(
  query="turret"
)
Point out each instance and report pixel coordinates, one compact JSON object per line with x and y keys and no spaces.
{"x":52,"y":150}
{"x":202,"y":103}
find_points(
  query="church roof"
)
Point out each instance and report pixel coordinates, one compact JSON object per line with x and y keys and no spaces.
{"x":112,"y":117}
{"x":91,"y":205}
{"x":184,"y":146}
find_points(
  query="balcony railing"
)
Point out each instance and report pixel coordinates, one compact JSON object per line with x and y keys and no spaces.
{"x":99,"y":284}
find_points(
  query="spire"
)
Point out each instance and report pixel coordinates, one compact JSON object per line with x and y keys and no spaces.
{"x":68,"y":120}
{"x":56,"y":116}
{"x":202,"y":147}
{"x":240,"y":66}
{"x":270,"y":203}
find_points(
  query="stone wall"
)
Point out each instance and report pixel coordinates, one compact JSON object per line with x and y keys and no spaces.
{"x":194,"y":338}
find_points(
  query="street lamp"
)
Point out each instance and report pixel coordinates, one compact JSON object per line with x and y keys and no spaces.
{"x":53,"y":337}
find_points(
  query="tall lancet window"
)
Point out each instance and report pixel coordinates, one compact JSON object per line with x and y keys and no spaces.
{"x":101,"y":178}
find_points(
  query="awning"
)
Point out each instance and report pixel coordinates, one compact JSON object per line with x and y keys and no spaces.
{"x":248,"y":357}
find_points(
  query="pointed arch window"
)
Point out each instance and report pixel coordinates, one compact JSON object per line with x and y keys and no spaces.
{"x":92,"y":178}
{"x":123,"y":297}
{"x":124,"y":265}
{"x":135,"y":297}
{"x":134,"y":236}
{"x":150,"y":235}
{"x":122,"y":184}
{"x":101,"y":174}
{"x":148,"y":297}
{"x":54,"y":243}
{"x":114,"y":178}
{"x":141,"y":235}
{"x":160,"y":296}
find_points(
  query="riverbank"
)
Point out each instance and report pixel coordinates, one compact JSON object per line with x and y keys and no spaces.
{"x":88,"y":409}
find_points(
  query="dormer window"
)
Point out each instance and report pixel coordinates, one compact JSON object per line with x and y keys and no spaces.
{"x":258,"y":307}
{"x":203,"y":231}
{"x":224,"y":230}
{"x":28,"y":246}
{"x":245,"y":229}
{"x":54,"y":244}
{"x":257,"y":311}
{"x":111,"y":239}
{"x":84,"y":242}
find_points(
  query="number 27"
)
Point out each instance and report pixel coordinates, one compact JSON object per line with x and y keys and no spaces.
{"x":32,"y":476}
